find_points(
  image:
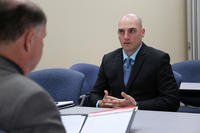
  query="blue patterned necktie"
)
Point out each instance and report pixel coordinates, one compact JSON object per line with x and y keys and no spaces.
{"x":127,"y":69}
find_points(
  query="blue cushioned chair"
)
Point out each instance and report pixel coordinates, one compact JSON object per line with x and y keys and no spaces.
{"x":189,"y":109}
{"x":1,"y":131}
{"x":190,"y":72}
{"x":178,"y":78}
{"x":62,"y":84}
{"x":90,"y":71}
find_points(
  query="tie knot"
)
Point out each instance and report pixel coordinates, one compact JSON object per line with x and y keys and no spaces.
{"x":129,"y":62}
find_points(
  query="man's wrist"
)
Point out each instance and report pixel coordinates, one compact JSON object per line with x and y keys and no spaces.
{"x":136,"y":104}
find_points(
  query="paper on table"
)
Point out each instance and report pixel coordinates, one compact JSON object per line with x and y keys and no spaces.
{"x":112,"y":121}
{"x":111,"y":111}
{"x":73,"y":123}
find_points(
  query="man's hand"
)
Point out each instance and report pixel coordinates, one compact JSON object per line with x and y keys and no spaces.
{"x":113,"y":102}
{"x":127,"y":101}
{"x":107,"y":101}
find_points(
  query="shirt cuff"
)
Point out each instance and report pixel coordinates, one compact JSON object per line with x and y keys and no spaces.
{"x":97,"y":104}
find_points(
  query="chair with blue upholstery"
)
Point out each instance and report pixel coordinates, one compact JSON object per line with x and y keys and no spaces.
{"x":90,"y":71}
{"x":62,"y":84}
{"x":189,"y":109}
{"x":1,"y":131}
{"x":190,"y":72}
{"x":178,"y":78}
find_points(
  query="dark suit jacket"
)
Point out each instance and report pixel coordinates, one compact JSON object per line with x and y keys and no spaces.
{"x":24,"y":106}
{"x":151,"y":81}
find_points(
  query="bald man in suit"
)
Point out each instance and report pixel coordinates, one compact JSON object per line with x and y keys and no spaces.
{"x":151,"y":84}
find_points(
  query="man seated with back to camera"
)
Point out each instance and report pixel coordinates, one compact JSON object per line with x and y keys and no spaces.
{"x":150,"y":84}
{"x":25,"y":107}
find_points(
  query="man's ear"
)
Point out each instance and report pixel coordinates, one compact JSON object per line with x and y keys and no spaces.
{"x":29,"y":38}
{"x":143,"y":32}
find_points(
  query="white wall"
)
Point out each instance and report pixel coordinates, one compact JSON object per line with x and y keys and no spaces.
{"x":84,"y":30}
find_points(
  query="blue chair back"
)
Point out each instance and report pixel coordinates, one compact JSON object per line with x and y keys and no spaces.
{"x":62,"y":84}
{"x":178,"y":78}
{"x":90,"y":71}
{"x":2,"y":131}
{"x":189,"y":70}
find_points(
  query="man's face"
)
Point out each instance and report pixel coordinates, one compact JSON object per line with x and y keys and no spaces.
{"x":130,"y":33}
{"x":37,"y":48}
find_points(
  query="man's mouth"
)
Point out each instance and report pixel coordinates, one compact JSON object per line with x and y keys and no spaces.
{"x":126,"y":42}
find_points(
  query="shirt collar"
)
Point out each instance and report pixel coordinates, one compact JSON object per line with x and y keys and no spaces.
{"x":133,"y":56}
{"x":11,"y":64}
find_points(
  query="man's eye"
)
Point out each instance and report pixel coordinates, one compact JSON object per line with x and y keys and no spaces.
{"x":120,"y":31}
{"x":132,"y":30}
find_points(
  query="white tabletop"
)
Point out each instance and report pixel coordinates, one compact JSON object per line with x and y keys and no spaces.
{"x":165,"y":122}
{"x":151,"y":121}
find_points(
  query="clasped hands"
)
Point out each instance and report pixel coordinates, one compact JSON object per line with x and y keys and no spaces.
{"x":113,"y":102}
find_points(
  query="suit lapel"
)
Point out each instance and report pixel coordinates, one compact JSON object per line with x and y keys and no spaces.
{"x":137,"y":65}
{"x":119,"y":66}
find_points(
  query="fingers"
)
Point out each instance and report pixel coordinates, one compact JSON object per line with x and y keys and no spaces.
{"x":129,"y":99}
{"x":107,"y":97}
{"x":106,"y":103}
{"x":105,"y":93}
{"x":113,"y":102}
{"x":107,"y":100}
{"x":124,"y":95}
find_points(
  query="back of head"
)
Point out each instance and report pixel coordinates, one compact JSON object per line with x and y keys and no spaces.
{"x":16,"y":16}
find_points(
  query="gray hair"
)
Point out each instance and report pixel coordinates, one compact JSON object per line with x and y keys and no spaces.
{"x":16,"y":17}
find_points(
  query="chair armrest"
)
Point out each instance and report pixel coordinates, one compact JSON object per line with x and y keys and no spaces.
{"x":84,"y":100}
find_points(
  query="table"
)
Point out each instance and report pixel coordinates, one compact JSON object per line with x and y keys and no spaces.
{"x":165,"y":122}
{"x":152,"y":121}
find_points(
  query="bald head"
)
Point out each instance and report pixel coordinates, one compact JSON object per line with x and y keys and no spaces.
{"x":131,"y":17}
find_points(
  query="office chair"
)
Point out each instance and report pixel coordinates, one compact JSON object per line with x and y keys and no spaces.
{"x":189,"y":109}
{"x":62,"y":84}
{"x":2,"y":131}
{"x":90,"y":71}
{"x":178,"y":78}
{"x":190,"y":72}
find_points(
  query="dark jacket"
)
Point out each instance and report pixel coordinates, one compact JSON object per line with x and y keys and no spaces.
{"x":151,"y":81}
{"x":24,"y":106}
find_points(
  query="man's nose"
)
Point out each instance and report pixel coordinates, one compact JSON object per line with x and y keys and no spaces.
{"x":126,"y":35}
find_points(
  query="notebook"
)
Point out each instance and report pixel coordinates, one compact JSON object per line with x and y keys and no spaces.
{"x":64,"y":104}
{"x":115,"y":120}
{"x":73,"y":122}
